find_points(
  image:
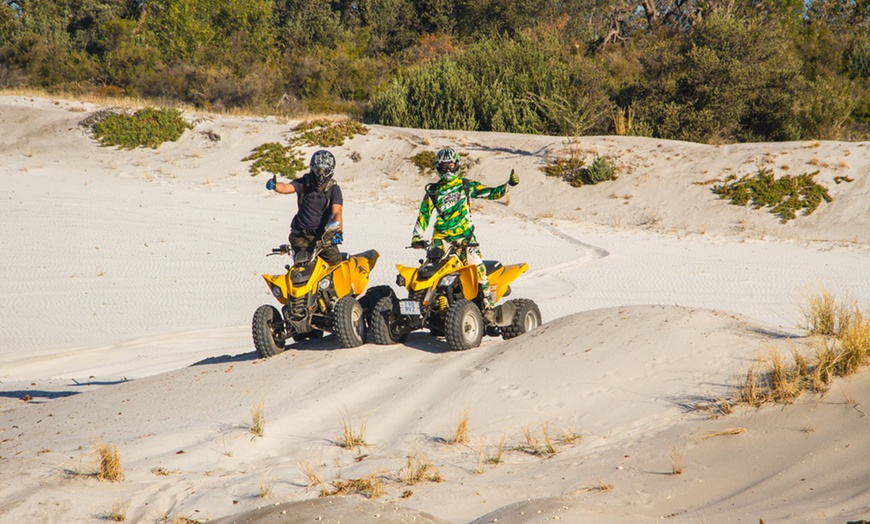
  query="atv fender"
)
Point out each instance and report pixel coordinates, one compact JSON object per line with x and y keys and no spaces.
{"x":352,"y":275}
{"x":500,"y":278}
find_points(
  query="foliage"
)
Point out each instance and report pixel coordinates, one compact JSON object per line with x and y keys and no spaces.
{"x":497,"y":84}
{"x":425,"y":161}
{"x":784,"y":196}
{"x":147,"y":127}
{"x":601,"y":169}
{"x":704,"y":71}
{"x":275,"y":158}
{"x":573,"y":169}
{"x":326,"y":133}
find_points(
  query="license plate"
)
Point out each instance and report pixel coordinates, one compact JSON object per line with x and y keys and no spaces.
{"x":409,"y":307}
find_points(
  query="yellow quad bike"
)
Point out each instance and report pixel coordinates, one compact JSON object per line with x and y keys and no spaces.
{"x":317,"y":297}
{"x":445,"y":297}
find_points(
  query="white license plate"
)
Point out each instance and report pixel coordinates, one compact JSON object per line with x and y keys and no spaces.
{"x":409,"y":307}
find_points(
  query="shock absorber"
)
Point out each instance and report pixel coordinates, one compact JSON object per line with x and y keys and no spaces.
{"x":442,"y":305}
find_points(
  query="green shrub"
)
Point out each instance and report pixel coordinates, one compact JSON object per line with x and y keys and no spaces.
{"x":568,"y":169}
{"x":425,"y":162}
{"x":326,"y":133}
{"x":784,"y":196}
{"x":600,"y":170}
{"x":277,"y":159}
{"x":145,"y":128}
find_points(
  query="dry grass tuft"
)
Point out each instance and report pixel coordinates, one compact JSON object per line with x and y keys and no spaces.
{"x":265,"y":489}
{"x":119,"y":511}
{"x":311,"y":474}
{"x":599,"y":487}
{"x":352,"y":432}
{"x":258,"y":418}
{"x":110,"y":463}
{"x":676,"y":462}
{"x":725,"y":433}
{"x":419,"y":469}
{"x":461,"y":435}
{"x":371,"y":486}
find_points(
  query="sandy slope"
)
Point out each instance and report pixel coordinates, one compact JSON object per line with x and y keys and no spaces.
{"x":129,"y":279}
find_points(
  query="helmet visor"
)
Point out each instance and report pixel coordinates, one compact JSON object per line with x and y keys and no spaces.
{"x":446,"y":167}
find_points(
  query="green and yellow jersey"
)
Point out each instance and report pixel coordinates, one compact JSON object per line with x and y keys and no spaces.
{"x":452,"y":202}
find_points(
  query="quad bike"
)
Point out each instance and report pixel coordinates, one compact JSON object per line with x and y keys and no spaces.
{"x":444,"y":296}
{"x":317,"y":297}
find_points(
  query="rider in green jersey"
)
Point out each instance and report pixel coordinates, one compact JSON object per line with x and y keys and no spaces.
{"x":450,"y":198}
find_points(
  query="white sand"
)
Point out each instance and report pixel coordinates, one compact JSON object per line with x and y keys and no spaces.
{"x":129,"y":279}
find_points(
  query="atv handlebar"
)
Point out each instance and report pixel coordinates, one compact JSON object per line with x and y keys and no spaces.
{"x":283,"y":249}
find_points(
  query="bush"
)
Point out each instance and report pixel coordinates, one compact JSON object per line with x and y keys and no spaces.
{"x":785,"y":196}
{"x":277,"y":159}
{"x":145,"y":128}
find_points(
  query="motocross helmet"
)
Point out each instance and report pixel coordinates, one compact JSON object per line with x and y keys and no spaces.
{"x":322,"y":167}
{"x":447,"y":164}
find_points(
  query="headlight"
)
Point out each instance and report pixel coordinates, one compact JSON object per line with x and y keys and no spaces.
{"x":324,"y":284}
{"x":400,"y":280}
{"x":277,"y":291}
{"x":447,"y":281}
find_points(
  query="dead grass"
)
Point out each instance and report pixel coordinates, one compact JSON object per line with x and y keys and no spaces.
{"x":840,"y":345}
{"x":110,"y":463}
{"x":258,"y":418}
{"x":676,"y":462}
{"x":461,"y":434}
{"x":725,"y":433}
{"x":119,"y":511}
{"x":598,"y":487}
{"x":371,"y":486}
{"x":419,"y":469}
{"x":352,"y":432}
{"x":311,"y":474}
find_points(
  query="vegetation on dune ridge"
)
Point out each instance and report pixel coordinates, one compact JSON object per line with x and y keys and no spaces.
{"x":694,"y":70}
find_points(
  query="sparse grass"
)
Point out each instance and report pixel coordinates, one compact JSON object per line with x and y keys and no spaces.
{"x":311,"y":474}
{"x":110,"y":463}
{"x":371,"y":486}
{"x":598,"y":487}
{"x":265,"y":490}
{"x":840,"y":340}
{"x":258,"y":418}
{"x":119,"y":511}
{"x":461,"y":435}
{"x":725,"y":433}
{"x":352,"y":432}
{"x":676,"y":462}
{"x":499,"y":452}
{"x":419,"y":469}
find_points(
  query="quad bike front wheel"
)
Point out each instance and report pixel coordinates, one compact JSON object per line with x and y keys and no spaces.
{"x":463,"y":326}
{"x":348,"y":322}
{"x":267,"y":328}
{"x":526,"y":318}
{"x":384,"y":322}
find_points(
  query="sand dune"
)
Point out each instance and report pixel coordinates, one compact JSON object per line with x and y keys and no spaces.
{"x":130,"y":277}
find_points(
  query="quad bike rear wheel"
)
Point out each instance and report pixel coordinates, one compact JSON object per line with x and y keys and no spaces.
{"x":348,"y":322}
{"x":267,"y":327}
{"x":526,"y":318}
{"x":463,"y":326}
{"x":384,"y":320}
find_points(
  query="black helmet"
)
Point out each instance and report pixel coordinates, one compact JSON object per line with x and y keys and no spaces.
{"x":322,"y":167}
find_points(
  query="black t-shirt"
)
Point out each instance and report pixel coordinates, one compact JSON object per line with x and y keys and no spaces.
{"x":313,"y":212}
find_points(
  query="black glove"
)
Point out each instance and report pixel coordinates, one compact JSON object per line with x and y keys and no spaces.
{"x":514,"y":179}
{"x":418,"y":243}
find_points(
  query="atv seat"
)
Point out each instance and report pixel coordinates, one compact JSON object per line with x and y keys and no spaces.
{"x":491,"y":266}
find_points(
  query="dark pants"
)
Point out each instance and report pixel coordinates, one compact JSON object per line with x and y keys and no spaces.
{"x":302,"y":242}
